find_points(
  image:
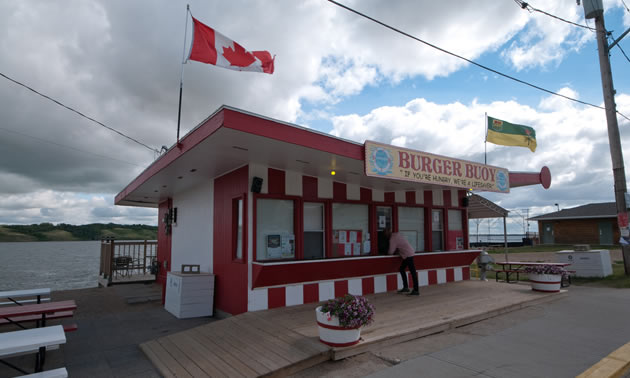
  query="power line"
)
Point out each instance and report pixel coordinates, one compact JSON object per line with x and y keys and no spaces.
{"x":65,"y":146}
{"x":78,"y":112}
{"x":623,"y":52}
{"x":468,"y":60}
{"x":525,"y":5}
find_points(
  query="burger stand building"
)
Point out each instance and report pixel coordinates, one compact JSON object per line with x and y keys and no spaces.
{"x":283,"y":215}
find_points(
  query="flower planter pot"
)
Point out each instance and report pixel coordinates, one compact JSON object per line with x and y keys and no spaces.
{"x":331,"y":333}
{"x":549,"y":283}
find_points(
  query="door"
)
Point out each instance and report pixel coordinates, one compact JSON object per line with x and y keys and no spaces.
{"x":383,"y":222}
{"x":605,"y":233}
{"x":548,"y":233}
{"x":164,"y":244}
{"x":437,"y":229}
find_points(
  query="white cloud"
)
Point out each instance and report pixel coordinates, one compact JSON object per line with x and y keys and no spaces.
{"x":572,"y":142}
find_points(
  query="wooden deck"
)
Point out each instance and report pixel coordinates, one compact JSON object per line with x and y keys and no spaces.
{"x":282,"y":341}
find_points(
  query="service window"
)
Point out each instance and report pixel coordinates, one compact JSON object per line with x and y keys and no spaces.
{"x":437,"y":229}
{"x":411,"y":225}
{"x":314,"y":237}
{"x":274,"y":229}
{"x":350,"y":230}
{"x":455,"y":220}
{"x":383,"y":222}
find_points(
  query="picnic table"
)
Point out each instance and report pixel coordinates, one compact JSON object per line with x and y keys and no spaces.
{"x":38,"y":312}
{"x":35,"y":340}
{"x":17,"y":296}
{"x":517,"y":267}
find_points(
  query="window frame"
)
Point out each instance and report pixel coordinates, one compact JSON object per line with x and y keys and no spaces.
{"x":235,"y":201}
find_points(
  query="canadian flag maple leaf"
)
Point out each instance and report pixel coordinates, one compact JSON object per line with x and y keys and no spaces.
{"x":212,"y":47}
{"x":238,"y":56}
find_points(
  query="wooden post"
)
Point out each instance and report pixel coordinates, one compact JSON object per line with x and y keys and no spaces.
{"x":144,"y":258}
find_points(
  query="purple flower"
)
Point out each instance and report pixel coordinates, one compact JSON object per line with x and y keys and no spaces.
{"x":352,"y":310}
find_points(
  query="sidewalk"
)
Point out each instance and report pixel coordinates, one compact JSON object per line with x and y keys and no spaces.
{"x":561,"y":338}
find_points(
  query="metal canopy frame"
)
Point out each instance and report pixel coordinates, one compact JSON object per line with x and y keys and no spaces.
{"x":481,"y":208}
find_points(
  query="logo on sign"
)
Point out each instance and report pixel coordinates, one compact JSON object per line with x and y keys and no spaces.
{"x":382,"y":161}
{"x":497,"y":125}
{"x":502,"y":182}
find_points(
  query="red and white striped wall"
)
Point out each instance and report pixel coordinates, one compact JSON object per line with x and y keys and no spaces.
{"x":291,"y":295}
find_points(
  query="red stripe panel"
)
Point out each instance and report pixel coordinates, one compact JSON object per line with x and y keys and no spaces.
{"x":432,"y":277}
{"x":323,"y":325}
{"x":340,"y":192}
{"x":390,"y":197}
{"x":450,"y":275}
{"x":191,"y":140}
{"x":410,"y":198}
{"x":340,"y":345}
{"x":466,"y":273}
{"x":311,"y":293}
{"x":366,"y":195}
{"x":368,"y":285}
{"x":276,"y":180}
{"x":447,"y":198}
{"x":276,"y":297}
{"x":341,"y":288}
{"x":337,"y":269}
{"x":309,"y":187}
{"x":428,"y":198}
{"x":276,"y":130}
{"x":392,"y":282}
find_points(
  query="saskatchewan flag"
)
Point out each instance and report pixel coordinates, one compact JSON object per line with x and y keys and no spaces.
{"x":509,"y":134}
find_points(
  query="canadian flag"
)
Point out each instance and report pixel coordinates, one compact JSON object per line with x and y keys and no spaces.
{"x":212,"y":47}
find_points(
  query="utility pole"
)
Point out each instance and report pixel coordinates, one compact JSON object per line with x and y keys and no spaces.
{"x":595,"y":9}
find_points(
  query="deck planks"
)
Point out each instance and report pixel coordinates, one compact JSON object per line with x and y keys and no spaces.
{"x":285,"y":340}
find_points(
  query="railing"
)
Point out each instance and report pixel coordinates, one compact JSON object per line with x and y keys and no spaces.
{"x":126,"y":259}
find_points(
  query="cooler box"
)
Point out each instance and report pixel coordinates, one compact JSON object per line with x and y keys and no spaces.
{"x":593,"y":263}
{"x":189,"y":295}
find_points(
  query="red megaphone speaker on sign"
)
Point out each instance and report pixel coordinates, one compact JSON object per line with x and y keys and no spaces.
{"x":528,"y":178}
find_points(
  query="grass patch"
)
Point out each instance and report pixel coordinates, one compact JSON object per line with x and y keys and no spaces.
{"x":617,"y":280}
{"x":545,"y":248}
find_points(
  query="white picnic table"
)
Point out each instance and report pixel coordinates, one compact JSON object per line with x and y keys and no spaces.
{"x":34,"y":340}
{"x":15,"y":296}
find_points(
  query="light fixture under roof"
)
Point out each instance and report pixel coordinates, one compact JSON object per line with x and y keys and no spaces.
{"x":240,"y":148}
{"x":302,"y":161}
{"x":353,"y":173}
{"x":395,"y":182}
{"x":180,"y":177}
{"x":193,"y":170}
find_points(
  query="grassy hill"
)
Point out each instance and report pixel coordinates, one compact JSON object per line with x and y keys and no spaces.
{"x":68,"y":232}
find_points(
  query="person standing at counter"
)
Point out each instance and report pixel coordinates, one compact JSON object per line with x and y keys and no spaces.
{"x":398,"y":243}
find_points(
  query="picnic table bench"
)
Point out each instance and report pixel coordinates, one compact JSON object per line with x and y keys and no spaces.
{"x":35,"y":340}
{"x":39,"y":312}
{"x":518,"y":267}
{"x":17,"y":296}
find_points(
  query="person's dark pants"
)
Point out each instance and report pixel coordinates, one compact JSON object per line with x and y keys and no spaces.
{"x":408,"y":263}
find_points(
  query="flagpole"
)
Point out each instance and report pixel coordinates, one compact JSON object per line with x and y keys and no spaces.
{"x":485,"y":142}
{"x":181,"y":79}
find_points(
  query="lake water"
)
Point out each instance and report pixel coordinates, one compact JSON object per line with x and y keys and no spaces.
{"x":57,"y":265}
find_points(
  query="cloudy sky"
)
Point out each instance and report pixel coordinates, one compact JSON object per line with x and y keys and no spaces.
{"x":119,"y":62}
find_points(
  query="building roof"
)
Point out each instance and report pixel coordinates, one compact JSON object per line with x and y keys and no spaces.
{"x":479,"y":207}
{"x":591,"y":210}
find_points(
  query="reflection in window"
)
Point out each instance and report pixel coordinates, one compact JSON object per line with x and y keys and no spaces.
{"x":350,"y":230}
{"x":314,"y":240}
{"x":411,"y":225}
{"x":274,"y":229}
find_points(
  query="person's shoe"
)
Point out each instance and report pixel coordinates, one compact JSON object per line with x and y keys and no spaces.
{"x":415,"y":292}
{"x":403,"y":290}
